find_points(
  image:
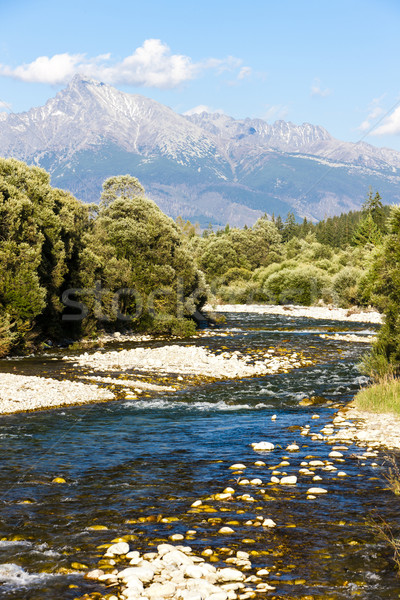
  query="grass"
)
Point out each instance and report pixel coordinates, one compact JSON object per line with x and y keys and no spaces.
{"x":393,"y":475}
{"x":381,"y":397}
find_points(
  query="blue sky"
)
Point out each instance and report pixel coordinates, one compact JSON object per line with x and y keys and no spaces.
{"x":334,"y":64}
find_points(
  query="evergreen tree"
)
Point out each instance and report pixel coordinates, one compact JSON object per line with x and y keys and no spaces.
{"x":373,"y":206}
{"x":367,"y":233}
{"x":386,"y":277}
{"x":289,"y":229}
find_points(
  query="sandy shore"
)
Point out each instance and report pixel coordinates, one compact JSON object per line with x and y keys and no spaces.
{"x":21,"y":393}
{"x":312,"y":312}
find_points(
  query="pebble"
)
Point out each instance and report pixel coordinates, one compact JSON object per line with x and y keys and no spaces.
{"x":262,"y":446}
{"x":118,"y":549}
{"x":226,"y":530}
{"x":289,"y":480}
{"x":293,"y":448}
{"x":268,"y":523}
{"x":184,"y":360}
{"x":316,"y":490}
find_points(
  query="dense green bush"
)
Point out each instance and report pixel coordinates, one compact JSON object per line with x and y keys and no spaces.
{"x":345,"y":286}
{"x":300,"y":285}
{"x":385,"y":273}
{"x":117,"y":258}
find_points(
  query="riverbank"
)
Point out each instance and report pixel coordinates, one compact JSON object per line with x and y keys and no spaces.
{"x":197,"y":364}
{"x":192,"y":360}
{"x":20,"y":393}
{"x":355,"y":315}
{"x":366,"y":428}
{"x":374,"y":415}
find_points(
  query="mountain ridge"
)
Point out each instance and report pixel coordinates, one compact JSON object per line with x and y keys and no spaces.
{"x":207,"y":166}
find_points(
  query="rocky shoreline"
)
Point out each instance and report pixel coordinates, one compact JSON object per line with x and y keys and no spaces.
{"x":377,"y":430}
{"x":20,"y":393}
{"x":355,"y":315}
{"x":190,"y":360}
{"x":174,"y":572}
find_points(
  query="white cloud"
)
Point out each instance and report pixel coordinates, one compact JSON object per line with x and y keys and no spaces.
{"x":57,"y":69}
{"x":275,"y":112}
{"x":4,"y":106}
{"x":391,"y":125}
{"x":316,"y":89}
{"x":244,"y":72}
{"x":197,"y":110}
{"x":374,"y":112}
{"x":150,"y":65}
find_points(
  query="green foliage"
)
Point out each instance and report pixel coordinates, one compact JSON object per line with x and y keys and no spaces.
{"x":248,"y":248}
{"x":289,"y":228}
{"x":385,"y":273}
{"x":124,"y":255}
{"x":7,"y":334}
{"x":170,"y":325}
{"x":373,"y":206}
{"x":40,"y":233}
{"x":367,"y":233}
{"x":299,"y":285}
{"x":382,"y":397}
{"x":236,"y":274}
{"x":345,"y":286}
{"x":133,"y":245}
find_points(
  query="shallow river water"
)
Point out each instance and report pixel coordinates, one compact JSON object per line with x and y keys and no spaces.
{"x":126,"y":463}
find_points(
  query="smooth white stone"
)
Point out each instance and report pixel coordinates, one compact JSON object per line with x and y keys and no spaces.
{"x":263,"y":446}
{"x":118,"y":549}
{"x":289,"y":480}
{"x":317,"y":490}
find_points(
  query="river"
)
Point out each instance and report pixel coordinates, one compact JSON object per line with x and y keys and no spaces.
{"x":126,"y":463}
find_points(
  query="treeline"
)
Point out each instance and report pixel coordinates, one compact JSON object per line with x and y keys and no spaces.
{"x":68,"y":269}
{"x":349,"y":229}
{"x":287,"y":262}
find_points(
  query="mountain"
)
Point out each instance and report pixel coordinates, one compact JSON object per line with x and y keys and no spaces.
{"x":205,"y":167}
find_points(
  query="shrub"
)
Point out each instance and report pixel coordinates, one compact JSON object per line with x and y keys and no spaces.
{"x":301,"y":285}
{"x":7,"y":335}
{"x":345,"y":286}
{"x":170,"y":325}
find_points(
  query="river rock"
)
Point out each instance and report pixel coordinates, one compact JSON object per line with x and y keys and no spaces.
{"x":159,"y":591}
{"x":268,"y":523}
{"x":228,"y":574}
{"x":177,"y":558}
{"x":145,"y":574}
{"x":95,"y":574}
{"x":118,"y":549}
{"x":292,"y":448}
{"x":316,"y":490}
{"x":288,"y":480}
{"x":226,"y":530}
{"x":262,"y":446}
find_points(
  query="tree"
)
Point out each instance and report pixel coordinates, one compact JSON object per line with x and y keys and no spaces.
{"x":367,"y":233}
{"x":134,"y":246}
{"x":40,"y":240}
{"x":289,"y":228}
{"x":373,"y":206}
{"x":385,"y":274}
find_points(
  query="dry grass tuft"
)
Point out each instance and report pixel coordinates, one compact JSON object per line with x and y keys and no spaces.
{"x":381,"y":397}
